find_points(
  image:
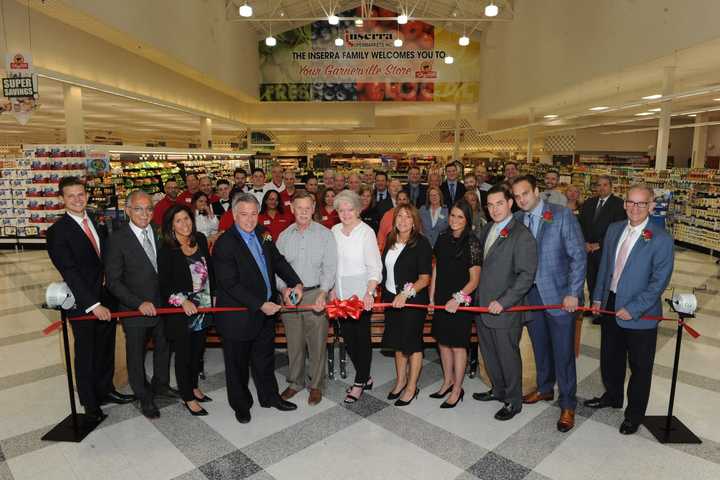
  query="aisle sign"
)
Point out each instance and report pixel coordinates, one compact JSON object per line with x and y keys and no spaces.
{"x":306,"y":65}
{"x":19,"y":87}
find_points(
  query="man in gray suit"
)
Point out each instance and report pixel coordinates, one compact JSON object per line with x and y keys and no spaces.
{"x":131,"y":269}
{"x":508,"y":271}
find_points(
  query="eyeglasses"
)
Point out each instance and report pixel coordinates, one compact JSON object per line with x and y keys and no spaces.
{"x":141,"y":210}
{"x":642,"y":205}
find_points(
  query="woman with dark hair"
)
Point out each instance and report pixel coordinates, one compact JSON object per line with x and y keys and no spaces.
{"x":325,"y":213}
{"x":407,"y":265}
{"x":186,"y":280}
{"x":478,"y":215}
{"x":369,"y":213}
{"x":205,"y":220}
{"x":273,"y":216}
{"x":455,"y":277}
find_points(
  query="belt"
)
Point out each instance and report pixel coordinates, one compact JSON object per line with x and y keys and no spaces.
{"x":314,"y":287}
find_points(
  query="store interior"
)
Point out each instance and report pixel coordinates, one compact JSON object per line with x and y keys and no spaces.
{"x":129,"y":94}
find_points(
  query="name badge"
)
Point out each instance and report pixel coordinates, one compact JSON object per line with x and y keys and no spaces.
{"x":266,"y":222}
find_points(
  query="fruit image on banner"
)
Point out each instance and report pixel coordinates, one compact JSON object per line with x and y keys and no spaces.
{"x":307,"y":65}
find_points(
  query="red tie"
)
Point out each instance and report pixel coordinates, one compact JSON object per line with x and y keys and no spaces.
{"x":90,"y":236}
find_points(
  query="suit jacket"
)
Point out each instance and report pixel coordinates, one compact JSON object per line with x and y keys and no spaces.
{"x":412,"y":262}
{"x":218,"y":210}
{"x":422,"y":194}
{"x":562,"y":260}
{"x":239,"y":283}
{"x":644,"y":278}
{"x":175,"y":277}
{"x":459,"y":192}
{"x":432,"y":233}
{"x":594,"y":229}
{"x":75,"y":258}
{"x":131,"y":277}
{"x":507,"y":274}
{"x":384,"y":205}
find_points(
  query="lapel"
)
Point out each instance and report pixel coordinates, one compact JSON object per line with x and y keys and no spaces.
{"x":499,"y":240}
{"x":638,"y":248}
{"x":134,"y":242}
{"x":246,"y":253}
{"x":79,"y":231}
{"x":614,"y":242}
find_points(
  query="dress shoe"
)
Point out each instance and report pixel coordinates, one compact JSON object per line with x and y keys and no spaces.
{"x":447,"y":404}
{"x":315,"y":396}
{"x":288,"y":393}
{"x":506,"y":412}
{"x":600,"y":402}
{"x":95,"y":414}
{"x":204,"y":399}
{"x":628,"y":428}
{"x":440,"y":394}
{"x":200,"y":413}
{"x":536,"y":396}
{"x":149,"y":409}
{"x":404,"y":403}
{"x":116,"y":397}
{"x":283,"y":405}
{"x":485,"y":396}
{"x":395,"y":395}
{"x":567,"y":420}
{"x":242,"y":416}
{"x":167,"y":392}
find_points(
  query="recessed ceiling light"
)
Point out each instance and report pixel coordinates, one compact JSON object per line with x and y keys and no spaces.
{"x":491,"y":10}
{"x":402,"y":19}
{"x":245,"y":10}
{"x":449,"y":60}
{"x":716,"y":99}
{"x":551,"y":116}
{"x":655,"y":110}
{"x":398,"y":42}
{"x":463,"y":41}
{"x":598,"y":109}
{"x":270,"y":41}
{"x":643,"y":114}
{"x":333,"y":19}
{"x":654,"y":96}
{"x":339,"y":42}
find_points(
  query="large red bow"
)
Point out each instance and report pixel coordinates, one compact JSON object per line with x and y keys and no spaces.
{"x":352,"y":307}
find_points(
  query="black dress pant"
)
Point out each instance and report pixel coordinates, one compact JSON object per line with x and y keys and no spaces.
{"x":94,"y":360}
{"x":256,"y":356}
{"x":593,"y":266}
{"x":618,"y":346}
{"x":188,"y":355}
{"x":136,"y":338}
{"x":356,"y":334}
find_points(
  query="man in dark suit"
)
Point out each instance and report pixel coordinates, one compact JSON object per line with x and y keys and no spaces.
{"x":508,"y":272}
{"x":452,"y":188}
{"x":246,"y":262}
{"x":131,"y":266}
{"x":76,"y":250}
{"x":559,"y":279}
{"x":416,"y":190}
{"x":223,"y":203}
{"x":394,"y":187}
{"x":596,"y":215}
{"x":635,"y":269}
{"x":380,"y":191}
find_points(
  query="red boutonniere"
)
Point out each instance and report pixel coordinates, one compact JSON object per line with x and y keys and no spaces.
{"x":504,"y":232}
{"x":266,"y":237}
{"x":548,"y":216}
{"x":647,"y":235}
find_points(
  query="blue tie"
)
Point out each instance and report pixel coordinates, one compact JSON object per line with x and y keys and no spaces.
{"x":452,"y":191}
{"x":531,"y":224}
{"x":257,"y":253}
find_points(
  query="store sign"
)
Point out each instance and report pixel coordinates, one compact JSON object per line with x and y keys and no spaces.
{"x":307,"y":65}
{"x":20,"y":88}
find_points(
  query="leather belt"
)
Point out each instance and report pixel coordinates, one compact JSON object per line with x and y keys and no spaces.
{"x":307,"y":289}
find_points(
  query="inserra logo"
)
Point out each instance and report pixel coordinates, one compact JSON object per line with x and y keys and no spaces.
{"x":426,"y":71}
{"x":18,"y":62}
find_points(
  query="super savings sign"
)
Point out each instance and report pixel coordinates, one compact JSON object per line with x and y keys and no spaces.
{"x":307,"y":66}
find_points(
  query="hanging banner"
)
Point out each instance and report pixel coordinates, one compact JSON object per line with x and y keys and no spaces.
{"x":307,"y":65}
{"x":20,"y":88}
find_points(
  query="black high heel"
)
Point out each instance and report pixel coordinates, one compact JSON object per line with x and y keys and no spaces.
{"x":204,"y":399}
{"x":403,"y":403}
{"x":201,"y":413}
{"x":447,"y":404}
{"x":395,"y":396}
{"x":440,"y":394}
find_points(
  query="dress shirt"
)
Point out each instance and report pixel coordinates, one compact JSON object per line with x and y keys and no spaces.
{"x":484,"y":187}
{"x":312,"y":254}
{"x":206,"y":224}
{"x":435,"y":215}
{"x":358,"y":260}
{"x":537,"y":213}
{"x":636,"y":234}
{"x":139,"y":234}
{"x":452,"y":188}
{"x":414,"y":190}
{"x":258,"y":193}
{"x":555,"y":196}
{"x":225,"y":204}
{"x":495,"y":232}
{"x":79,"y":221}
{"x":255,"y":247}
{"x":271,"y":186}
{"x":381,"y":195}
{"x":390,"y":259}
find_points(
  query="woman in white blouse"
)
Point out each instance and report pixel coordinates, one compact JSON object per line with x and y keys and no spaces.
{"x":205,"y":220}
{"x":359,"y":270}
{"x":434,"y":215}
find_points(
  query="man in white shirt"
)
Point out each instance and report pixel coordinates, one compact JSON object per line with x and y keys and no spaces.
{"x":551,"y":193}
{"x":276,"y":179}
{"x":258,"y":187}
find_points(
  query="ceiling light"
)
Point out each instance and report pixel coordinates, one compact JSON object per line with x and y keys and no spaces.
{"x":551,"y":116}
{"x":598,"y":109}
{"x":339,"y":42}
{"x":398,"y":42}
{"x":402,"y":19}
{"x":654,"y":96}
{"x":449,"y":60}
{"x":333,"y":19}
{"x":716,"y":99}
{"x":359,"y":22}
{"x":655,"y":110}
{"x":463,"y":41}
{"x":491,"y":10}
{"x":246,"y":10}
{"x":692,"y":115}
{"x":270,"y":41}
{"x":643,"y":114}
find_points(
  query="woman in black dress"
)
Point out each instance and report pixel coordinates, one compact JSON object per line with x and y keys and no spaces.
{"x":186,"y":280}
{"x":368,"y":212}
{"x":407,"y":265}
{"x":455,"y":277}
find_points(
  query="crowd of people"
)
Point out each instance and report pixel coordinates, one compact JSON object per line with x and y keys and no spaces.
{"x":453,"y":242}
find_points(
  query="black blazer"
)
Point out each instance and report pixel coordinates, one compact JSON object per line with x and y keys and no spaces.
{"x":594,"y":229}
{"x":175,"y":277}
{"x":412,"y":262}
{"x":218,"y":210}
{"x":370,"y":216}
{"x":459,"y":192}
{"x":384,"y":206}
{"x":74,"y":257}
{"x":239,"y":283}
{"x":422,"y":194}
{"x":131,"y":277}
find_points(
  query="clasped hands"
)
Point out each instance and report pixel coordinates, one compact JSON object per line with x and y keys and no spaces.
{"x":271,"y":308}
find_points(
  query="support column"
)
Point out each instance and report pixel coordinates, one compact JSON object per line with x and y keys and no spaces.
{"x":206,"y":132}
{"x":531,"y":134}
{"x":74,"y":123}
{"x":663,"y":139}
{"x":456,"y":137}
{"x":700,"y":138}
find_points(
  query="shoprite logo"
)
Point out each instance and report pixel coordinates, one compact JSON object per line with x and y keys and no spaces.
{"x":368,"y":39}
{"x":18,"y":62}
{"x":426,"y":71}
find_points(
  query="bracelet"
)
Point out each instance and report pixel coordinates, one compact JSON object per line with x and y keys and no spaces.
{"x":409,"y":290}
{"x":462,"y":298}
{"x":177,"y":299}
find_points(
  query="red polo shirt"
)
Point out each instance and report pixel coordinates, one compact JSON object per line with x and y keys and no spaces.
{"x":160,"y":208}
{"x":185,"y":198}
{"x":286,"y":199}
{"x":276,"y":225}
{"x":226,"y":220}
{"x":328,"y":219}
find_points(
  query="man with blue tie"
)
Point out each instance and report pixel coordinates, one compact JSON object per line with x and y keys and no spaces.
{"x":560,"y":279}
{"x":635,"y":269}
{"x":452,"y":188}
{"x":246,"y":262}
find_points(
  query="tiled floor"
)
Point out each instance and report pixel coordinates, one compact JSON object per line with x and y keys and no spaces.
{"x":371,"y":439}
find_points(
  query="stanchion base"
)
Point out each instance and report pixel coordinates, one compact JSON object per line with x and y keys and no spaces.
{"x":65,"y":431}
{"x":678,"y":432}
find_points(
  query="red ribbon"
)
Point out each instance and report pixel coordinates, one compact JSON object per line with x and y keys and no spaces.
{"x":350,"y":308}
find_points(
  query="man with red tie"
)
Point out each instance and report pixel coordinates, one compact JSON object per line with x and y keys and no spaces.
{"x":76,"y":250}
